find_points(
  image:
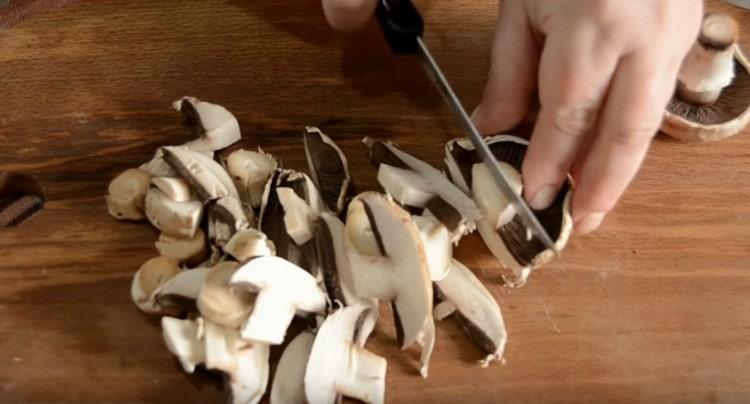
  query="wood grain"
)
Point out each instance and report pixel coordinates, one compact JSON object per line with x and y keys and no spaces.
{"x":653,"y":308}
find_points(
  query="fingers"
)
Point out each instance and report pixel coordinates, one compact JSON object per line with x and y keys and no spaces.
{"x":512,"y":73}
{"x":348,"y":15}
{"x":631,"y":116}
{"x":575,"y":71}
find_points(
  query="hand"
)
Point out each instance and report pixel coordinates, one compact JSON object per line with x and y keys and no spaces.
{"x":604,"y":69}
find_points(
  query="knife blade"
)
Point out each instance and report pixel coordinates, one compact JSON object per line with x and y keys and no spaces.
{"x":403,"y":27}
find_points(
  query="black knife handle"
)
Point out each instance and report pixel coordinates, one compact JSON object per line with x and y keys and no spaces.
{"x":401,"y":24}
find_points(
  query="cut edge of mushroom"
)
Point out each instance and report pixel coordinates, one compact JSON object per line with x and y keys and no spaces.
{"x":214,"y":126}
{"x":288,"y":385}
{"x":334,"y":187}
{"x":126,"y":194}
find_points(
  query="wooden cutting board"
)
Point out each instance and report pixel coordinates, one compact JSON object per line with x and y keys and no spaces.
{"x":653,"y":307}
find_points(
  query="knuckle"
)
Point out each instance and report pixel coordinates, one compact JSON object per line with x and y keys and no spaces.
{"x":575,"y":119}
{"x":631,"y":137}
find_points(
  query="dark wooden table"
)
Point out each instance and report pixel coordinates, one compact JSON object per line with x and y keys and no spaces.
{"x":654,"y":307}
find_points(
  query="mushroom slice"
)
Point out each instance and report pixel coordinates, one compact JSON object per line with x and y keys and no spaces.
{"x":298,"y":216}
{"x":289,"y":380}
{"x":215,"y":127}
{"x":149,"y":279}
{"x":250,"y":170}
{"x":406,"y":186}
{"x":339,"y":367}
{"x":273,"y":221}
{"x":244,"y":362}
{"x":176,"y":219}
{"x":712,"y":101}
{"x":477,"y":312}
{"x":437,"y":245}
{"x":226,"y":217}
{"x":451,"y":206}
{"x":337,"y":276}
{"x":201,"y":341}
{"x":175,"y":189}
{"x":219,"y":302}
{"x":21,"y":197}
{"x":157,"y":167}
{"x":328,"y":167}
{"x":399,"y":272}
{"x":126,"y":197}
{"x":190,"y":251}
{"x":181,"y":291}
{"x":182,"y":339}
{"x":283,"y":288}
{"x":206,"y":177}
{"x":501,"y":229}
{"x":249,"y":243}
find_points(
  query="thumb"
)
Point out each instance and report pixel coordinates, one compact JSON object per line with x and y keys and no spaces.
{"x":513,"y":72}
{"x":348,"y":15}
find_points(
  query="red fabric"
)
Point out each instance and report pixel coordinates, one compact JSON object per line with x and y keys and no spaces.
{"x":13,"y":11}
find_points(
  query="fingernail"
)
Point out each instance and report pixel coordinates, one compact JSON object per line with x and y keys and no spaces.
{"x":543,"y":197}
{"x":588,"y":223}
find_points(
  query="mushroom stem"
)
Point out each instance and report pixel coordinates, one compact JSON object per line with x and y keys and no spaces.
{"x":270,"y":318}
{"x":709,"y":66}
{"x":367,"y":381}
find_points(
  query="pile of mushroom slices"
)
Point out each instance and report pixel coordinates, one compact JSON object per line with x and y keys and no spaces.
{"x":253,"y":255}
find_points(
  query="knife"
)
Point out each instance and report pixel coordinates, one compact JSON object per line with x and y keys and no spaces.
{"x":403,"y":27}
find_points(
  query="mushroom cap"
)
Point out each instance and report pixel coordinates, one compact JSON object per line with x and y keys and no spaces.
{"x":126,"y":197}
{"x":337,"y":366}
{"x":220,"y":303}
{"x":725,"y":117}
{"x":509,"y":243}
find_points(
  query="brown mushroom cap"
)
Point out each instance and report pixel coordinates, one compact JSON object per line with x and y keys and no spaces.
{"x":714,"y":110}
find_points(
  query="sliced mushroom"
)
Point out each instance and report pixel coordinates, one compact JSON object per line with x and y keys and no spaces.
{"x":149,"y":279}
{"x":189,"y":251}
{"x":712,"y":100}
{"x":226,"y":217}
{"x":501,"y":229}
{"x":126,"y":198}
{"x":180,"y":292}
{"x":451,"y":206}
{"x":328,"y":167}
{"x":219,"y":302}
{"x":201,"y":341}
{"x":337,"y":277}
{"x":476,"y":311}
{"x":398,"y":272}
{"x":437,"y":245}
{"x":182,"y":339}
{"x":206,"y":177}
{"x":283,"y":288}
{"x":249,"y":243}
{"x":215,"y":127}
{"x":176,"y":219}
{"x":21,"y":197}
{"x":244,"y":362}
{"x":250,"y":170}
{"x":273,"y":221}
{"x":175,"y":189}
{"x":339,"y":367}
{"x":289,"y":380}
{"x":298,"y":216}
{"x":157,"y":167}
